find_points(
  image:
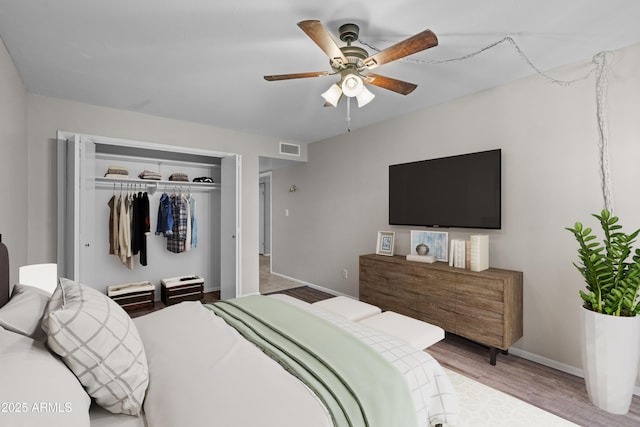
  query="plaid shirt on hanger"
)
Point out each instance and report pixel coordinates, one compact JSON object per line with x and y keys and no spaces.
{"x":176,"y":240}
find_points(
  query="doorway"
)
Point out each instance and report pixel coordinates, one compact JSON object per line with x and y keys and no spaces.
{"x":264,"y":194}
{"x":268,"y":282}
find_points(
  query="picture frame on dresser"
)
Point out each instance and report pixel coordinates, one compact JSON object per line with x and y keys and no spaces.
{"x":386,"y":242}
{"x":436,"y":241}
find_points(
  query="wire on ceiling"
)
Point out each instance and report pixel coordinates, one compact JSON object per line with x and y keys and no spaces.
{"x":602,"y":82}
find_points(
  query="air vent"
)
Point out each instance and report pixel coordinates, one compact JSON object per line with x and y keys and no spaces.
{"x":290,"y":149}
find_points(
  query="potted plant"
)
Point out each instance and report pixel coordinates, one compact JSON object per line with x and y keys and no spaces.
{"x":610,"y":315}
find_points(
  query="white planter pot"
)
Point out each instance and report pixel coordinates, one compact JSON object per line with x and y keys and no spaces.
{"x":610,"y":355}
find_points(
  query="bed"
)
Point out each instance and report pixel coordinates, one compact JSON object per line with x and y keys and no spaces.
{"x":75,"y":358}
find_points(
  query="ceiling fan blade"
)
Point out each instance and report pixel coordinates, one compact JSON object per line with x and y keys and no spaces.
{"x":417,"y":43}
{"x":399,"y":86}
{"x":316,"y":31}
{"x":296,"y":76}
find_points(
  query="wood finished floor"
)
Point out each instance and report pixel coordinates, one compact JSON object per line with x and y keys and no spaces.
{"x":554,"y":391}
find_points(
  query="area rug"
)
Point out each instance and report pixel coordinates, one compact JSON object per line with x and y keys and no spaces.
{"x":483,"y":406}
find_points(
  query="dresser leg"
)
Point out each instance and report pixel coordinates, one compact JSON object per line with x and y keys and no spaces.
{"x":492,"y":355}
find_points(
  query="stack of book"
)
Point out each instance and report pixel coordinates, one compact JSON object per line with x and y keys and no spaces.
{"x":472,"y":254}
{"x":459,"y":253}
{"x":429,"y":259}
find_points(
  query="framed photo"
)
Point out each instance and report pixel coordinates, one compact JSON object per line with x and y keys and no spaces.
{"x":385,"y":243}
{"x":436,"y":241}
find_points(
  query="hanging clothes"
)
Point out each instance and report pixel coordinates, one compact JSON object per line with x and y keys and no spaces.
{"x":144,"y":227}
{"x":123,"y":229}
{"x":129,"y":225}
{"x":176,"y":240}
{"x":113,"y":225}
{"x":129,"y":220}
{"x":135,"y":223}
{"x":187,"y":240}
{"x":194,"y":221}
{"x":165,"y":216}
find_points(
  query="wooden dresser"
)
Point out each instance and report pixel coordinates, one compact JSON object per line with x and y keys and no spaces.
{"x":485,"y":306}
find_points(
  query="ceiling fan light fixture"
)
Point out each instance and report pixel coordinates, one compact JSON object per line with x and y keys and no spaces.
{"x":332,"y":95}
{"x":352,"y":85}
{"x":364,"y":97}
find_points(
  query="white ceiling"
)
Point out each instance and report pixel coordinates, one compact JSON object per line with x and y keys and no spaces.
{"x":203,"y":60}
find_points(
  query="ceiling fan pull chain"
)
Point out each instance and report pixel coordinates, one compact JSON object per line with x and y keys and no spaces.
{"x":348,"y":114}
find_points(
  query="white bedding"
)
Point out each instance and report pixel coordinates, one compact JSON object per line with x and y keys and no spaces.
{"x":434,"y":397}
{"x":100,"y":417}
{"x":202,"y":372}
{"x":222,"y":380}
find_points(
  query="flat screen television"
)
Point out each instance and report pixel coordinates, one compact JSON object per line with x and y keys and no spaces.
{"x":457,"y":191}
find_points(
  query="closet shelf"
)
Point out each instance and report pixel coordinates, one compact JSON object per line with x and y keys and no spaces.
{"x":152,"y":185}
{"x":157,"y":161}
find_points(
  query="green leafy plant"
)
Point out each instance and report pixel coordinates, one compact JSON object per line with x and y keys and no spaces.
{"x":611,"y":268}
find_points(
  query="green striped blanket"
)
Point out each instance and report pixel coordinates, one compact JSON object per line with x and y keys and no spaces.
{"x":357,"y":385}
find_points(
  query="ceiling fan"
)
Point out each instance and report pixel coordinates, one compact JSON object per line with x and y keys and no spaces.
{"x":352,"y":63}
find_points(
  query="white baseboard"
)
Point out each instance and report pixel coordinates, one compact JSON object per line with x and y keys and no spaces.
{"x":555,"y":364}
{"x":547,"y":362}
{"x":251,"y":294}
{"x":311,"y":285}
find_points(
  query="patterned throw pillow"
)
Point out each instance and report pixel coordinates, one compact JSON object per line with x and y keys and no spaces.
{"x":98,"y":341}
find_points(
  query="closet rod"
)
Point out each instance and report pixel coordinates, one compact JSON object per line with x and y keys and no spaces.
{"x":152,"y":187}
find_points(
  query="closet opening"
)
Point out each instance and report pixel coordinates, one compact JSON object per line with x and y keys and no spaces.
{"x":96,"y":172}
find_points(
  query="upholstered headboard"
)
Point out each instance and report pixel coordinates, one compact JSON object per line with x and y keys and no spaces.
{"x":4,"y":273}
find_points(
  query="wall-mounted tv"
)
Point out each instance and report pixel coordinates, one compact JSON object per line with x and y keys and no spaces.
{"x":457,"y":191}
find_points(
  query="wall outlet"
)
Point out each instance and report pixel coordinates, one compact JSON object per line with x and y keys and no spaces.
{"x":345,"y":273}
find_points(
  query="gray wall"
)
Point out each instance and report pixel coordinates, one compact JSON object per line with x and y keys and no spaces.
{"x":549,"y":140}
{"x":13,"y":163}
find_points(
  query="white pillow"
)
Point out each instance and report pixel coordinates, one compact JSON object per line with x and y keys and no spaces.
{"x":23,"y":313}
{"x":98,"y":341}
{"x":36,"y":388}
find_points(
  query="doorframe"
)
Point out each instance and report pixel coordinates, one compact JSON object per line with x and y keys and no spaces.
{"x":226,"y":291}
{"x":63,"y":180}
{"x":268,"y":211}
